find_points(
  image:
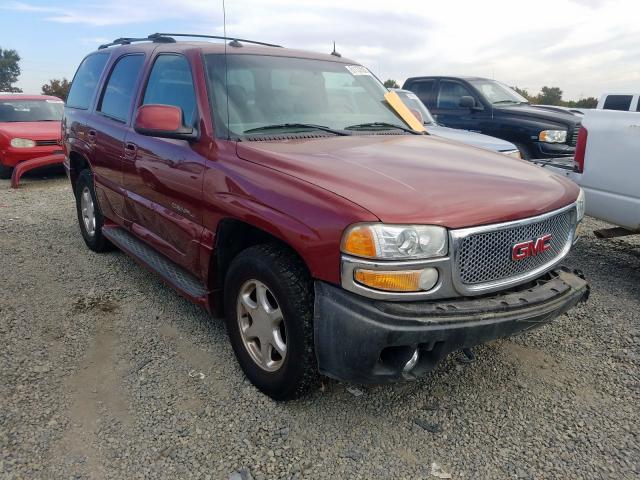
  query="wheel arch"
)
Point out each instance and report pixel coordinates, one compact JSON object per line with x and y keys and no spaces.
{"x":233,"y":236}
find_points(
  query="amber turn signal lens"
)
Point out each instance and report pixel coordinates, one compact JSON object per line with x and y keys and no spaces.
{"x":390,"y":281}
{"x":359,"y":242}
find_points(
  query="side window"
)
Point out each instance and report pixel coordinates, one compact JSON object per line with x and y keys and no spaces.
{"x":617,"y":102}
{"x":171,"y":83}
{"x":85,"y":81}
{"x":449,"y":94}
{"x":423,"y":89}
{"x":119,"y":91}
{"x":638,"y":106}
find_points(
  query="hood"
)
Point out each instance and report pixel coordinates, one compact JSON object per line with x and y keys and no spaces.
{"x":471,"y":138}
{"x":532,"y":111}
{"x":417,"y":179}
{"x":31,"y":130}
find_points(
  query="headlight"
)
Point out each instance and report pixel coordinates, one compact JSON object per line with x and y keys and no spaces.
{"x":580,"y":205}
{"x":22,"y":143}
{"x":395,"y":242}
{"x":553,"y":136}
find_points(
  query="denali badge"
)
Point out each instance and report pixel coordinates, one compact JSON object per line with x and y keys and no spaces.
{"x":530,"y":248}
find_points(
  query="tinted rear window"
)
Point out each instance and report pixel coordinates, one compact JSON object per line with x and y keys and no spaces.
{"x":118,"y":93}
{"x":423,"y":90}
{"x":86,"y":80}
{"x":618,"y":102}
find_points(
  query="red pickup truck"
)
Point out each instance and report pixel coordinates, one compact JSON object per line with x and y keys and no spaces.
{"x":279,"y":188}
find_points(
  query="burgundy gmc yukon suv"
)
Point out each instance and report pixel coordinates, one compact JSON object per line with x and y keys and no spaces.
{"x":281,"y":189}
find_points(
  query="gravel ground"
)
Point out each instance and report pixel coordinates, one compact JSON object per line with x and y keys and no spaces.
{"x":107,"y":373}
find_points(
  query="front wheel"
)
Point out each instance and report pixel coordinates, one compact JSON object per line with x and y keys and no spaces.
{"x":269,"y":318}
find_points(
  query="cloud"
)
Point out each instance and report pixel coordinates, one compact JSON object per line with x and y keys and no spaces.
{"x":583,"y":46}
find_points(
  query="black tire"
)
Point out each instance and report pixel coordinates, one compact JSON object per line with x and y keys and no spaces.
{"x":5,"y":172}
{"x":287,"y":278}
{"x":525,"y":152}
{"x":96,"y":240}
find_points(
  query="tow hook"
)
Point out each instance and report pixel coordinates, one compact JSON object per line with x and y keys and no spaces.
{"x":469,"y":356}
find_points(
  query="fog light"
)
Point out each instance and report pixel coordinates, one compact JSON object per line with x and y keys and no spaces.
{"x":398,"y":280}
{"x":428,"y":278}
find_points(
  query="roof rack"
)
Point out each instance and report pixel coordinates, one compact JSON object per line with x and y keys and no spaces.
{"x":235,"y":42}
{"x":129,"y":40}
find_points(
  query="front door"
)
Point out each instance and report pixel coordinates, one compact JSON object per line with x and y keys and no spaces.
{"x":447,"y":110}
{"x":163,"y":177}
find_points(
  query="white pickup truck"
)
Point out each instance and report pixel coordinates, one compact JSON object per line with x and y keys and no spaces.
{"x":607,"y":167}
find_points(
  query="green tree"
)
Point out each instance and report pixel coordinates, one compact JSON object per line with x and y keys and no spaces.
{"x":391,"y":83}
{"x":589,"y":102}
{"x":523,"y":92}
{"x":57,"y":87}
{"x":550,"y":96}
{"x":9,"y":70}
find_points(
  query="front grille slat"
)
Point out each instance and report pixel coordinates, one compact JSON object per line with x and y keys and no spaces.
{"x":486,"y":257}
{"x":573,"y":139}
{"x":46,"y":143}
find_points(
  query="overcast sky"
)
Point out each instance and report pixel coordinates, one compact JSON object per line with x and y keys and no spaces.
{"x":585,"y":47}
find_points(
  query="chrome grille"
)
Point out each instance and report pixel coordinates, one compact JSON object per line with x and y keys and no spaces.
{"x":485,"y":257}
{"x":573,"y":140}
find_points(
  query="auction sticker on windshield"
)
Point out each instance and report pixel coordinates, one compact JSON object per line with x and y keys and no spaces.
{"x":357,"y":70}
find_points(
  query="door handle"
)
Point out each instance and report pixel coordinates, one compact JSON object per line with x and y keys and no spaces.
{"x":130,"y":150}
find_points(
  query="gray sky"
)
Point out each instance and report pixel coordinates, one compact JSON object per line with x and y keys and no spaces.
{"x":585,"y":47}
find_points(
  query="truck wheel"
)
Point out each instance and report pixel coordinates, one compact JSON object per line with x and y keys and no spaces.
{"x":89,"y":215}
{"x":5,"y":172}
{"x":269,"y":318}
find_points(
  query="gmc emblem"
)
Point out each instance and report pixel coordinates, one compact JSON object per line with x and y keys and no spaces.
{"x":531,"y":248}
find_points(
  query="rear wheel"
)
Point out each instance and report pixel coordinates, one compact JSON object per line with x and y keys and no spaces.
{"x":5,"y":172}
{"x":269,"y":318}
{"x":89,"y":215}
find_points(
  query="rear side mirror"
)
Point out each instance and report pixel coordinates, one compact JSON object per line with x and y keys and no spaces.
{"x":164,"y":121}
{"x":467,"y":101}
{"x":417,"y":114}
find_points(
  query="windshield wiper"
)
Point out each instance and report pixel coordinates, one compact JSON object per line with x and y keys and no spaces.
{"x":285,"y":126}
{"x":372,"y":126}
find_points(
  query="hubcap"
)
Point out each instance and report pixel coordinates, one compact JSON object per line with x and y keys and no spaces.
{"x":88,"y":211}
{"x":261,"y":325}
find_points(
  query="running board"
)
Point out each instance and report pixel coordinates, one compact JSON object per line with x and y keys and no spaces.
{"x":172,"y":274}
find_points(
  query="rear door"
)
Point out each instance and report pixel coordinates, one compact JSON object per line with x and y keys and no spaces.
{"x":163,"y":177}
{"x":108,"y":129}
{"x":424,"y":90}
{"x":447,"y":110}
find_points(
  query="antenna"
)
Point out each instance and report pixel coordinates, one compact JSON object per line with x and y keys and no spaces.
{"x":226,"y":68}
{"x":334,"y":53}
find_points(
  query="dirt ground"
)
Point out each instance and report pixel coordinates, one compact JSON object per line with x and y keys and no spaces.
{"x":107,"y":373}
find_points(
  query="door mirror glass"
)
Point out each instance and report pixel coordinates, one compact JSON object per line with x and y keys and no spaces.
{"x":163,"y":121}
{"x":467,"y":101}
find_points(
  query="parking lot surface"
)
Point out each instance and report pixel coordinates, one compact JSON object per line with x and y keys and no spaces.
{"x":107,"y":373}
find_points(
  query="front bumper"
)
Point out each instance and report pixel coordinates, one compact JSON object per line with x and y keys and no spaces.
{"x":10,"y":157}
{"x":550,"y":150}
{"x":369,"y":341}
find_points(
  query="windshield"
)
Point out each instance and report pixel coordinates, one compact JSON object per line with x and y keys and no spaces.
{"x":412,"y":101}
{"x":284,"y":91}
{"x":496,"y":92}
{"x":31,"y":110}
